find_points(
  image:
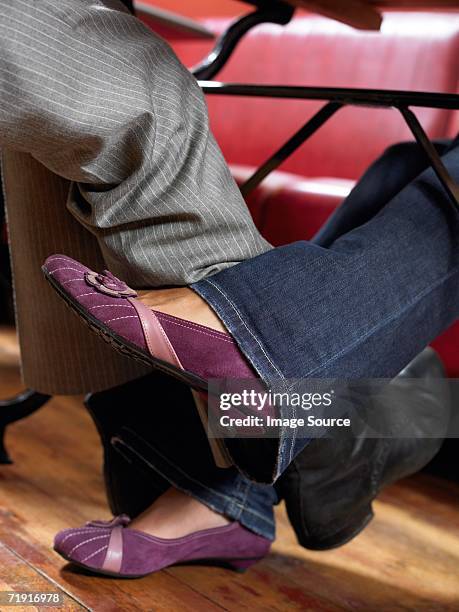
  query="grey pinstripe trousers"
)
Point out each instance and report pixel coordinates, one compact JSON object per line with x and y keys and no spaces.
{"x":99,"y":119}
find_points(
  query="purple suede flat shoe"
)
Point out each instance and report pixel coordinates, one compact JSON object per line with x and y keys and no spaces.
{"x":109,"y":548}
{"x":191,"y":352}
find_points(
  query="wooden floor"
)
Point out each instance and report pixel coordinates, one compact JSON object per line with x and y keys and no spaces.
{"x":407,"y":559}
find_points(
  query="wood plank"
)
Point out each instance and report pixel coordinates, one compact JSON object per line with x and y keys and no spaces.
{"x":264,"y":587}
{"x":365,"y":14}
{"x":397,"y":563}
{"x":21,"y":577}
{"x":355,"y":13}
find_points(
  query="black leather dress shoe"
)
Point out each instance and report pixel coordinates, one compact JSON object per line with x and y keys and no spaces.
{"x":329,"y":488}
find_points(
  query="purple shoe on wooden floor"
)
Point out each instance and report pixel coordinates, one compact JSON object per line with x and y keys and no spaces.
{"x":110,"y":548}
{"x":189,"y":351}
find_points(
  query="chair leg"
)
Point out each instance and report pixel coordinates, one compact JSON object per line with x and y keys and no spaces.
{"x":15,"y":409}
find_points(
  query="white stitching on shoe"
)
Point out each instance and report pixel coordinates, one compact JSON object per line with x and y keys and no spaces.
{"x":111,"y":306}
{"x":67,"y":259}
{"x":94,"y":553}
{"x":87,"y":542}
{"x":119,"y":319}
{"x":67,"y":268}
{"x":72,"y":280}
{"x":77,"y":532}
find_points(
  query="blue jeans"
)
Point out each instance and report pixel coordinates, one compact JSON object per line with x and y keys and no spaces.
{"x":362,"y":305}
{"x":379,"y":282}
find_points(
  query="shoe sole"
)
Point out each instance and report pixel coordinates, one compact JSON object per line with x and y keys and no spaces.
{"x":221,"y":563}
{"x":123,"y":346}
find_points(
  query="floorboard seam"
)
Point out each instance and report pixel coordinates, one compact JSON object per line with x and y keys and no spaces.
{"x":197,"y":592}
{"x":46,"y":577}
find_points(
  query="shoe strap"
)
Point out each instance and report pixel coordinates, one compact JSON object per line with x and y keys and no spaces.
{"x":156,"y":338}
{"x":114,"y":556}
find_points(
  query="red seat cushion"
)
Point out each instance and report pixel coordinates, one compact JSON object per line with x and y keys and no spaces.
{"x":287,"y":207}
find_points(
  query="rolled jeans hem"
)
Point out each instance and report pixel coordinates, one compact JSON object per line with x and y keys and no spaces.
{"x":236,"y":507}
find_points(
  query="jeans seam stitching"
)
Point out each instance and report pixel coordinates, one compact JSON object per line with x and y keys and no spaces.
{"x":235,"y":503}
{"x":245,"y":495}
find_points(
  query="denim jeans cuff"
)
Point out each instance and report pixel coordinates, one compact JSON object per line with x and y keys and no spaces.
{"x":238,"y":498}
{"x":212,"y":290}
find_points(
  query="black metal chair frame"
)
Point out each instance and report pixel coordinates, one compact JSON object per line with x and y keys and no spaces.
{"x":278,"y":12}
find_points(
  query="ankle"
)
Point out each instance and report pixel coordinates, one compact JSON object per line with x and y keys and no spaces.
{"x":184,"y":303}
{"x":175,"y":515}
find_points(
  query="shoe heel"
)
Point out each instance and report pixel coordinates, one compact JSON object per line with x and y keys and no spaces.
{"x":242,"y":565}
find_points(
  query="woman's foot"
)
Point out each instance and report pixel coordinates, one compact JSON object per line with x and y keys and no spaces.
{"x":175,"y":514}
{"x":162,"y":536}
{"x":179,"y":345}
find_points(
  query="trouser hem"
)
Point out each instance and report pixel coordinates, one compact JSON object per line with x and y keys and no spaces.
{"x":235,"y":507}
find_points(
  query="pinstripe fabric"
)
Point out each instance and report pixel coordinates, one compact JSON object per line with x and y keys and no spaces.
{"x":59,"y":354}
{"x":91,"y":94}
